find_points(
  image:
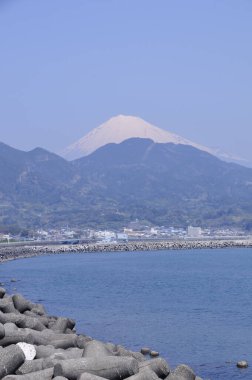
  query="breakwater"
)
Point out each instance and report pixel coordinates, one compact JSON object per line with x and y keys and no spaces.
{"x":14,"y":252}
{"x":37,"y":346}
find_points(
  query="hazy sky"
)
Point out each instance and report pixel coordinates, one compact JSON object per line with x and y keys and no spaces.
{"x":68,"y":65}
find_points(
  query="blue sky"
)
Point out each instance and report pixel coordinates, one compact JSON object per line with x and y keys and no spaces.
{"x":68,"y":65}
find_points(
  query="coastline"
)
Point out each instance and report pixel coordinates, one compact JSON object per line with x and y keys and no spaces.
{"x":171,"y":375}
{"x":38,"y":346}
{"x":14,"y":252}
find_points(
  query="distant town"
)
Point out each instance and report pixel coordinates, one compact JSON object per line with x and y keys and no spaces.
{"x":134,"y":231}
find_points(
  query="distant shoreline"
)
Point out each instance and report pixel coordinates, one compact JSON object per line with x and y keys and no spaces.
{"x":26,"y":251}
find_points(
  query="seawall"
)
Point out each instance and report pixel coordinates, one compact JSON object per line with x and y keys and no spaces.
{"x":16,"y":252}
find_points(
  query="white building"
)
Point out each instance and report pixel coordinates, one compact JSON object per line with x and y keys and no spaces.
{"x":122,"y":237}
{"x":153,"y":231}
{"x":194,"y":232}
{"x":105,"y":235}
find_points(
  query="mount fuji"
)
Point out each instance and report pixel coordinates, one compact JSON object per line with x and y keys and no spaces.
{"x":121,"y":128}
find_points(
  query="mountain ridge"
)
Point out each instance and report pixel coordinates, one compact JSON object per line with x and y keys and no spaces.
{"x":123,"y":127}
{"x":159,"y":183}
{"x":120,"y":128}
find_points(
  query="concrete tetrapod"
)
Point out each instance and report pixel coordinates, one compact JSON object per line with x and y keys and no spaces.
{"x":65,"y":354}
{"x":31,"y":323}
{"x":184,"y":371}
{"x":111,"y":346}
{"x":96,"y":349}
{"x":2,"y":292}
{"x":60,"y":325}
{"x":43,"y":351}
{"x":110,"y":367}
{"x":16,"y":337}
{"x":45,"y":320}
{"x":82,"y":340}
{"x":46,"y":374}
{"x":145,"y":374}
{"x":6,"y":305}
{"x":11,"y":358}
{"x":67,"y":342}
{"x":44,"y":337}
{"x":58,"y":353}
{"x":2,"y":331}
{"x":10,"y":317}
{"x":158,"y":365}
{"x":89,"y":376}
{"x":174,"y":377}
{"x":30,"y":366}
{"x":38,"y":309}
{"x":20,"y":303}
{"x":71,"y":353}
{"x":121,"y":351}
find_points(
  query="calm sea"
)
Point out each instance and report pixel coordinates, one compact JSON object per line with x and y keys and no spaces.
{"x":193,"y":307}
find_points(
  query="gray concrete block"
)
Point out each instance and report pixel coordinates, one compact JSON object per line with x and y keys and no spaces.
{"x":184,"y":371}
{"x":46,"y":374}
{"x":11,"y":359}
{"x":30,"y":366}
{"x":20,"y":303}
{"x":110,"y":367}
{"x":158,"y":365}
{"x":2,"y":292}
{"x":96,"y":349}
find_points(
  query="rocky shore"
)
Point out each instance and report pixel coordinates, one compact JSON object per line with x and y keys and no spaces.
{"x":13,"y":252}
{"x":37,"y":346}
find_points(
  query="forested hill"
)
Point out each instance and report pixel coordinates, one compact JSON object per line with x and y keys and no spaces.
{"x":162,"y":184}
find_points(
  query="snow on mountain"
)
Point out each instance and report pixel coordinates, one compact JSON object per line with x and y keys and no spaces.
{"x":120,"y":128}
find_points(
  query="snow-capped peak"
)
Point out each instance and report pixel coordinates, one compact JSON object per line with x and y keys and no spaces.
{"x":120,"y":128}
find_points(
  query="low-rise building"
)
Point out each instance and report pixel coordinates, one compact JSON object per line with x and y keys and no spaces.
{"x":194,"y":232}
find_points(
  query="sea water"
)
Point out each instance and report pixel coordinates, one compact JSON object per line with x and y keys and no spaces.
{"x":192,"y":306}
